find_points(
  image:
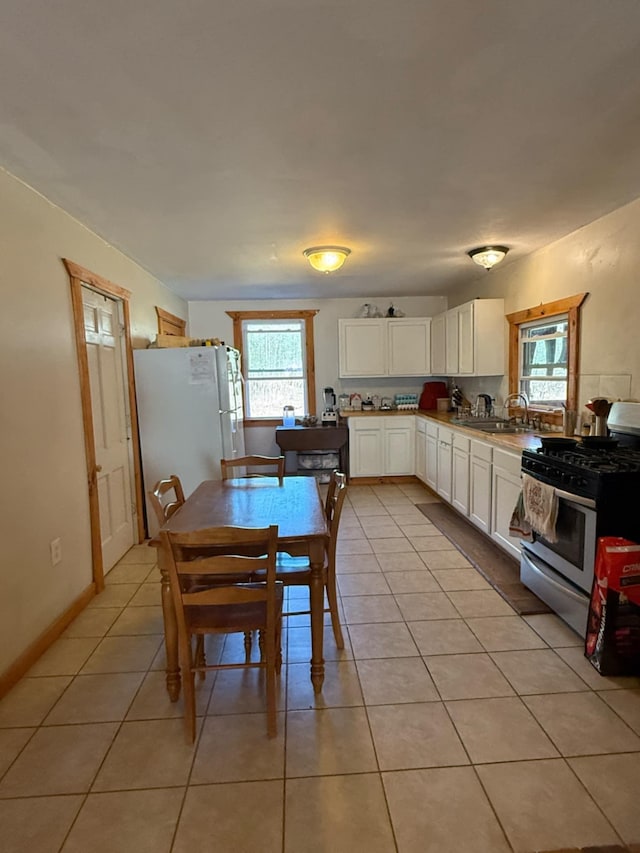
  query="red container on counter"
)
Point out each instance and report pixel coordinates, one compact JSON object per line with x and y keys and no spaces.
{"x":430,"y":393}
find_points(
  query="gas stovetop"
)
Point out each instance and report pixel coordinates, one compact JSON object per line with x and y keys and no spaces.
{"x":597,"y":474}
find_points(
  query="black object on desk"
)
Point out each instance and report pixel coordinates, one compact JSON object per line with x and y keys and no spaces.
{"x":310,"y":439}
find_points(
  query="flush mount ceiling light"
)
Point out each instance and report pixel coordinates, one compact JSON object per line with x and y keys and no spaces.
{"x":327,"y":258}
{"x":488,"y":256}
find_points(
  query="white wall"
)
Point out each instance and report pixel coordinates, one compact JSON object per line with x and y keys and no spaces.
{"x":43,"y":462}
{"x":603,"y":259}
{"x":209,"y":319}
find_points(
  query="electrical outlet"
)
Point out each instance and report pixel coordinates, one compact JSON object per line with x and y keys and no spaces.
{"x":55,"y":546}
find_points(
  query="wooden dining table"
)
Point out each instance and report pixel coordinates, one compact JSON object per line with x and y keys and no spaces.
{"x":294,"y":505}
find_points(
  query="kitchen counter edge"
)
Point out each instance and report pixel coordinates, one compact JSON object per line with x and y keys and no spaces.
{"x":517,"y":441}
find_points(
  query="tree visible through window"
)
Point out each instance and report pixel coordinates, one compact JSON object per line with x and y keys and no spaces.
{"x":275,"y":366}
{"x":544,"y":361}
{"x":277,"y":358}
{"x":544,"y":345}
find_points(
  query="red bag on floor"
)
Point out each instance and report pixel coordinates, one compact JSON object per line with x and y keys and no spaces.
{"x":612,"y":643}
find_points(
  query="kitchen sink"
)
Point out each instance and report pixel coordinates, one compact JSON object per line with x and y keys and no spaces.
{"x":481,"y":423}
{"x":496,"y":426}
{"x":509,"y":429}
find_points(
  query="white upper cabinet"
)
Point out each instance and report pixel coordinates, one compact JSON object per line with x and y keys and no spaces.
{"x":391,"y":346}
{"x":469,"y":340}
{"x":362,"y":347}
{"x":438,"y":339}
{"x":452,"y":342}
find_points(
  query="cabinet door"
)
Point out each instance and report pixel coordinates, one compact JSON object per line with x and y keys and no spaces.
{"x":438,"y":349}
{"x":480,"y":493}
{"x":444,"y":470}
{"x":421,"y":453}
{"x":460,"y":480}
{"x":466,"y":338}
{"x":365,"y":453}
{"x":505,"y":491}
{"x":398,"y":450}
{"x":362,"y":347}
{"x":409,"y":347}
{"x":432,"y":462}
{"x":452,"y":337}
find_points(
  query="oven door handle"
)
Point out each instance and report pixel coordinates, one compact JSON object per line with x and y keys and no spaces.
{"x":576,"y":499}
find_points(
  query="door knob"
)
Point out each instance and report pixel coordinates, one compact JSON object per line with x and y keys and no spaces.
{"x":98,"y":469}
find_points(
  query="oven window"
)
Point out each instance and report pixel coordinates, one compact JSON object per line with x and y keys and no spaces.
{"x":570,"y":530}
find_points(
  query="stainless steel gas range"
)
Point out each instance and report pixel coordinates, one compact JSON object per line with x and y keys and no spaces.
{"x":598,"y":492}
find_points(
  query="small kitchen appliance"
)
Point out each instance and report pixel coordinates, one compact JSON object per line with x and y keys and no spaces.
{"x":329,"y":414}
{"x":597,"y":489}
{"x":431,"y":392}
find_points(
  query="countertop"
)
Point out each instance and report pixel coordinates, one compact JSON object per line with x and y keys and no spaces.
{"x":514,"y":441}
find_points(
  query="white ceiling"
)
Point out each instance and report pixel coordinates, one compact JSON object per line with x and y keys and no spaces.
{"x":214,"y":141}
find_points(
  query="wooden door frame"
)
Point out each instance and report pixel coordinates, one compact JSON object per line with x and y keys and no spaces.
{"x":80,"y":276}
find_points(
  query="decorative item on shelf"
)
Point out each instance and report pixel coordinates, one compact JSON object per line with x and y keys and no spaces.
{"x":386,"y":404}
{"x":288,"y":418}
{"x":327,"y":258}
{"x":369,"y":311}
{"x":367,"y":405}
{"x":488,"y":256}
{"x":356,"y":402}
{"x":392,"y":311}
{"x":376,"y":400}
{"x":344,"y":402}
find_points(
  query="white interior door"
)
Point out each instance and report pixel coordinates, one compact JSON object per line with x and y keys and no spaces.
{"x":111,"y":424}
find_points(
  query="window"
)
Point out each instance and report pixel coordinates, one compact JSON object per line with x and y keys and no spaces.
{"x":277,"y":358}
{"x":544,"y":355}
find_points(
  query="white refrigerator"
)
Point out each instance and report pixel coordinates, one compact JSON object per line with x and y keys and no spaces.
{"x":189,"y":402}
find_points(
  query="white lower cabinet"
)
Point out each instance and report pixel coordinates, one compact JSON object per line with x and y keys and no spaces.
{"x":432,"y":456}
{"x":421,"y":449}
{"x":445,"y":455}
{"x":399,"y":446}
{"x":460,"y":473}
{"x":480,"y":457}
{"x":505,"y":490}
{"x":381,"y":446}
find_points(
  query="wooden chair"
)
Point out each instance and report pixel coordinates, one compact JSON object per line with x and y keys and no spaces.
{"x":162,"y":507}
{"x":296,"y":571}
{"x":225,"y":608}
{"x":263,"y":462}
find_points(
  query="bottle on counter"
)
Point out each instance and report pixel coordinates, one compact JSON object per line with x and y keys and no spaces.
{"x":288,"y":418}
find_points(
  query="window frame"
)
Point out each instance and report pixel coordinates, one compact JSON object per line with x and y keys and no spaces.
{"x":570,"y":307}
{"x":239,"y":317}
{"x":526,"y":340}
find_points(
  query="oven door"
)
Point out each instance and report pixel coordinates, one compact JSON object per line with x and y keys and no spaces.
{"x":573,"y":554}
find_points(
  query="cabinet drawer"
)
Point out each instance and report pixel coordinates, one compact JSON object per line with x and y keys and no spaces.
{"x":366,"y":422}
{"x":432,"y":429}
{"x":461,"y":442}
{"x":480,"y":450}
{"x":510,"y":462}
{"x":400,"y":422}
{"x":445,"y":435}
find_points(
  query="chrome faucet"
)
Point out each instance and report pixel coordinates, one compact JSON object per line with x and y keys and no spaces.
{"x":517,"y":396}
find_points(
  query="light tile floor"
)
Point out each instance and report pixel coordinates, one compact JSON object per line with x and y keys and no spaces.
{"x":448,"y":723}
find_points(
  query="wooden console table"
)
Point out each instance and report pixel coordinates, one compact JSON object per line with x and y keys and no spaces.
{"x":305,"y":439}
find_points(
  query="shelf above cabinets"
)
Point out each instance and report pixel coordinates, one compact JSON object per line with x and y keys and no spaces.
{"x":387,"y":346}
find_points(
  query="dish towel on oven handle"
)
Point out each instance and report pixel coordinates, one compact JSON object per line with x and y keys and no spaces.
{"x":518,"y":526}
{"x":540,"y":506}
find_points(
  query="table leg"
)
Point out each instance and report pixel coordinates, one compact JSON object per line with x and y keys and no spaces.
{"x":316,"y":594}
{"x":170,"y":630}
